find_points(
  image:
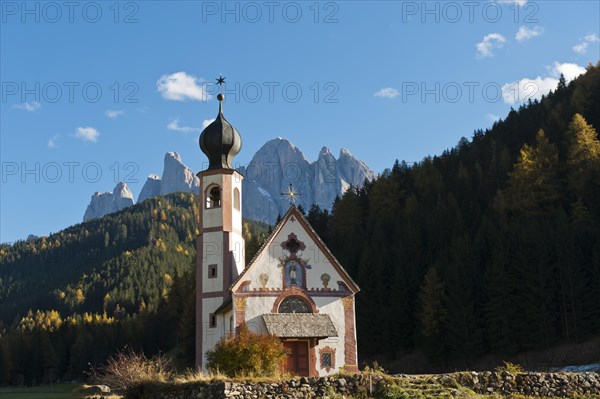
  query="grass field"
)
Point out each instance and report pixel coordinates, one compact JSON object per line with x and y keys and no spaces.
{"x":62,"y":391}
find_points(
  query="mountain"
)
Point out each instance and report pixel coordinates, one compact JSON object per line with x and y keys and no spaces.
{"x":104,"y":203}
{"x":279,"y":163}
{"x":275,"y":166}
{"x":176,"y":177}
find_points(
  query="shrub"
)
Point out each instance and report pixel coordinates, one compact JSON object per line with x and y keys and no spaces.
{"x":247,"y":354}
{"x":127,"y":369}
{"x":510,"y":368}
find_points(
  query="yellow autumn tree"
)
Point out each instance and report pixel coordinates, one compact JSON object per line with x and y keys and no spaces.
{"x":533,"y":183}
{"x":584,"y":154}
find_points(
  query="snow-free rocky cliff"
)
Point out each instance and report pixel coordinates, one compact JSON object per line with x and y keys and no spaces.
{"x":108,"y":202}
{"x":176,"y":177}
{"x":279,"y":163}
{"x":274,"y":166}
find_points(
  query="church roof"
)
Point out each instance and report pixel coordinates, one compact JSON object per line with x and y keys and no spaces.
{"x":225,"y":306}
{"x":293,"y":211}
{"x":220,"y":141}
{"x":299,"y":325}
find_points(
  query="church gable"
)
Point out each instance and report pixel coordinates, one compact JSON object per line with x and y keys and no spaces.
{"x":295,"y":257}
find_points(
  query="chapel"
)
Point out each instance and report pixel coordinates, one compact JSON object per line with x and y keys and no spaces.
{"x":294,"y":288}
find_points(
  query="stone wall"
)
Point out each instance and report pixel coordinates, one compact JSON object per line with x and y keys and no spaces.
{"x":295,"y":388}
{"x":360,"y":386}
{"x":534,"y":384}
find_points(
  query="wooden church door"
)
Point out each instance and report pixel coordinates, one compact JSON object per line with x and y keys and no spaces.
{"x":297,"y":359}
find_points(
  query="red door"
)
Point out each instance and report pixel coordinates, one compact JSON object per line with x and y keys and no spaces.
{"x":297,"y":359}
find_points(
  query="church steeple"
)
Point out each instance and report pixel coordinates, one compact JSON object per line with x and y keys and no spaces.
{"x":220,"y":141}
{"x":220,"y":244}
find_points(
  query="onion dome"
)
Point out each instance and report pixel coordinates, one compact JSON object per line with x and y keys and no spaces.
{"x":220,"y":141}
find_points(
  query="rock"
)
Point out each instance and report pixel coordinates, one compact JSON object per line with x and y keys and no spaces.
{"x":274,"y":166}
{"x":104,"y":203}
{"x":279,"y":163}
{"x":177,"y":177}
{"x":151,"y":188}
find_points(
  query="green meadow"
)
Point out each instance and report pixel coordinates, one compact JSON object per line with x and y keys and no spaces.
{"x":60,"y":391}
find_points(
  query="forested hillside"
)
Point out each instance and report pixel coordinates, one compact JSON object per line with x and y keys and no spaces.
{"x":127,"y":279}
{"x":491,"y":247}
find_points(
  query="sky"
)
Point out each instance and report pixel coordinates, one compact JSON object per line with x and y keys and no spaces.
{"x":93,"y":93}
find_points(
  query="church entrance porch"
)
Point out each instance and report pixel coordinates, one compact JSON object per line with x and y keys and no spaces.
{"x":300,"y":334}
{"x":297,"y":362}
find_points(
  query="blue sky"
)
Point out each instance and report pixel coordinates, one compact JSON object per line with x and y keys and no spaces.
{"x":97,"y":92}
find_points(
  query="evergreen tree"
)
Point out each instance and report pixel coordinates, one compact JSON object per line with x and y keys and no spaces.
{"x":6,"y":365}
{"x":432,"y":314}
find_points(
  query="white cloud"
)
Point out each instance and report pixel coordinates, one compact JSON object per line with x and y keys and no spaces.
{"x":526,"y":33}
{"x":582,"y":46}
{"x":29,"y":107}
{"x":207,"y":122}
{"x":87,"y":134}
{"x":520,"y":3}
{"x":180,"y":86}
{"x":493,"y":117}
{"x":489,"y":43}
{"x":174,"y":125}
{"x":387,"y":92}
{"x":522,"y":90}
{"x":52,"y":141}
{"x":571,"y":71}
{"x":114,"y":114}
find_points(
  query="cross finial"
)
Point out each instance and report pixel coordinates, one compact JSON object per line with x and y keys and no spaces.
{"x":291,"y":195}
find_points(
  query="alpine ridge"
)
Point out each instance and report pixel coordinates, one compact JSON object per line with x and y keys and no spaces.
{"x":276,"y":165}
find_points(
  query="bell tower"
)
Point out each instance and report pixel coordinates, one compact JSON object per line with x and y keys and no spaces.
{"x":220,"y":244}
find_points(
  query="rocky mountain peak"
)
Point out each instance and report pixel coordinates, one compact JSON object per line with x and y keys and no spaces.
{"x":122,"y":191}
{"x":176,"y":177}
{"x":109,"y":202}
{"x":172,"y":155}
{"x":276,"y":165}
{"x":280,"y":163}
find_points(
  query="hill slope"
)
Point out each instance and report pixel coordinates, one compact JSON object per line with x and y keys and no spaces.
{"x":492,"y":247}
{"x":122,"y":258}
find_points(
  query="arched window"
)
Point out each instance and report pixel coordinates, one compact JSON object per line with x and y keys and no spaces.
{"x":213,"y":197}
{"x":236,"y":198}
{"x":294,"y":304}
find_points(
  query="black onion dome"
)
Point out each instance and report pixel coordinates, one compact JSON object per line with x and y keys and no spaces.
{"x":220,"y":141}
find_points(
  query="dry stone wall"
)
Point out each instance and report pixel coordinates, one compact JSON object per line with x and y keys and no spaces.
{"x":361,"y":386}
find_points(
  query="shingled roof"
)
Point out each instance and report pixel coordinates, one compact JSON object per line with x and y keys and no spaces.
{"x":299,"y":325}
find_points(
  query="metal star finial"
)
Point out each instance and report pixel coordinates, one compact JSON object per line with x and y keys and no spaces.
{"x":220,"y":96}
{"x":291,"y":195}
{"x":220,"y":81}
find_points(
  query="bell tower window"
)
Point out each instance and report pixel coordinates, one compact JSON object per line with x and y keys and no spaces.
{"x":213,"y":197}
{"x":236,"y":198}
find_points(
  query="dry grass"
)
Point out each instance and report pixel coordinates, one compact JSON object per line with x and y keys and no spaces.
{"x":128,"y":369}
{"x":197,"y":375}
